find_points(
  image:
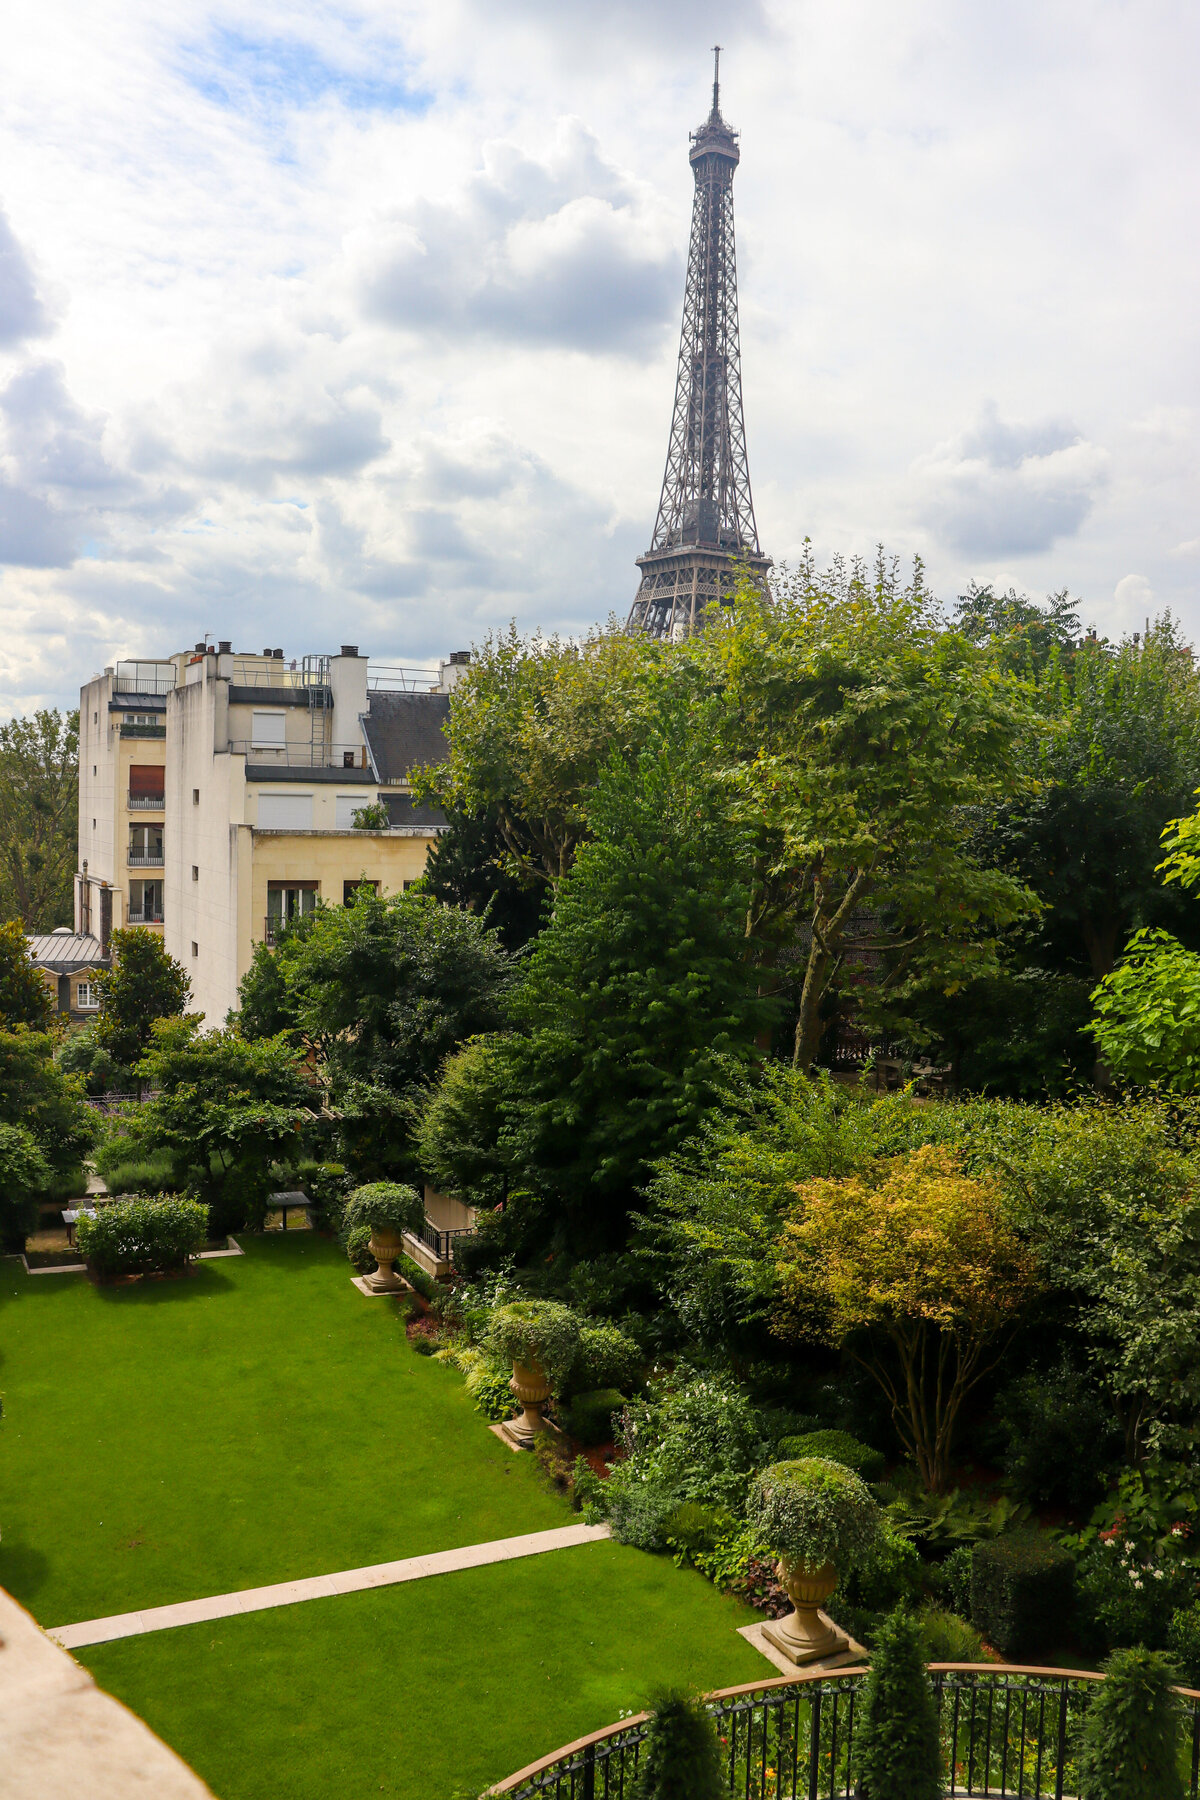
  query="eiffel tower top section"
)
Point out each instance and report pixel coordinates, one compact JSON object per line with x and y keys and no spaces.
{"x":705,"y":518}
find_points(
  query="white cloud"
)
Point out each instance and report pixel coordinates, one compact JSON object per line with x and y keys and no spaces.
{"x":1003,"y":490}
{"x":359,"y":319}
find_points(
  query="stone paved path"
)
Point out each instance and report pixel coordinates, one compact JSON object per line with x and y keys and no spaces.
{"x":322,"y":1587}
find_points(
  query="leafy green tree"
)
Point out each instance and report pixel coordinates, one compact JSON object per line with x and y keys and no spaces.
{"x":225,"y":1109}
{"x":635,"y":992}
{"x":469,"y":865}
{"x":1147,"y":1013}
{"x":40,"y":1097}
{"x":897,"y":1751}
{"x":1130,"y":1745}
{"x":39,"y":791}
{"x":81,"y":1054}
{"x":25,"y":1174}
{"x":459,"y":1122}
{"x":861,"y":734}
{"x":532,"y":723}
{"x":1035,"y":642}
{"x":144,"y":984}
{"x":25,"y":999}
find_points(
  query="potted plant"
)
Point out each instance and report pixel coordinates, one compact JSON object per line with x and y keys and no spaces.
{"x":388,"y":1209}
{"x":815,"y":1515}
{"x":539,"y":1338}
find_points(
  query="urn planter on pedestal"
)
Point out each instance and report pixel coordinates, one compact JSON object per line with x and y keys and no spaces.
{"x":539,"y":1339}
{"x":531,"y":1388}
{"x":388,"y":1210}
{"x":815,"y":1515}
{"x":386,"y":1246}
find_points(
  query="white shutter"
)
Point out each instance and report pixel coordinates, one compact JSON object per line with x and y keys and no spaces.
{"x":348,"y":805}
{"x":269,"y":730}
{"x":286,"y":812}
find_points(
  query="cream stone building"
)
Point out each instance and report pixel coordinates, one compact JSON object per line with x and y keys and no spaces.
{"x":217,"y":794}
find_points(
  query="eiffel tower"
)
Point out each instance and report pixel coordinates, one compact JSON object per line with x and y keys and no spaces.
{"x":706,"y":514}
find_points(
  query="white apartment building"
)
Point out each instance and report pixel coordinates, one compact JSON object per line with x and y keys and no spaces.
{"x":217,"y":792}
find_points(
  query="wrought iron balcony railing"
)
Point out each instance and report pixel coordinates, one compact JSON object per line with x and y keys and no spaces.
{"x":440,"y":1242}
{"x":1008,"y":1732}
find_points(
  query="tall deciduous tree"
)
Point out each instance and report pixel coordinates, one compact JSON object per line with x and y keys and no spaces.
{"x":39,"y":784}
{"x":636,"y":990}
{"x":862,"y":734}
{"x":144,"y":984}
{"x":914,"y":1267}
{"x":25,"y":998}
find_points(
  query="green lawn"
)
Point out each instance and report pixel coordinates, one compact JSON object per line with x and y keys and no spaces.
{"x":258,"y":1421}
{"x":431,"y":1689}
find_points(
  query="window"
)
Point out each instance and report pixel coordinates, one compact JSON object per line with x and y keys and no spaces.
{"x":145,"y":903}
{"x":146,"y":786}
{"x":142,"y":718}
{"x":268,"y":730}
{"x":146,"y":844}
{"x":93,"y":768}
{"x":95,"y":718}
{"x":285,"y":812}
{"x":195,"y":948}
{"x":195,"y":796}
{"x":86,"y":996}
{"x":195,"y":871}
{"x":288,"y":901}
{"x":350,"y":889}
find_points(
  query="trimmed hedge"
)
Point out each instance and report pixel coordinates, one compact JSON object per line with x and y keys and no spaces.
{"x":142,"y":1236}
{"x":1022,"y":1593}
{"x":834,"y":1446}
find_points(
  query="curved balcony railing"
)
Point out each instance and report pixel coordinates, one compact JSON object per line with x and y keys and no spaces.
{"x":1008,"y":1731}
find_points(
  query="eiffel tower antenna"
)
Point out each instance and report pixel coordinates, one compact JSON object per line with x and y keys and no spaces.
{"x":705,"y":520}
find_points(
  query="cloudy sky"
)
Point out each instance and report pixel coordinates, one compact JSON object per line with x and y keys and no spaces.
{"x":349,"y":321}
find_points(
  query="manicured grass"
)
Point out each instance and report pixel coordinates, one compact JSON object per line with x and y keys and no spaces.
{"x":433,"y":1689}
{"x":258,"y":1421}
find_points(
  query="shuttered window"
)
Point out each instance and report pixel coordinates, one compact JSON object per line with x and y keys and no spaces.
{"x":285,"y":812}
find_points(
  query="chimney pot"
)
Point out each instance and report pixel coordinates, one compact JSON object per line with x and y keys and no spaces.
{"x":278,"y":655}
{"x":225,"y":646}
{"x":349,"y":649}
{"x":201,"y":646}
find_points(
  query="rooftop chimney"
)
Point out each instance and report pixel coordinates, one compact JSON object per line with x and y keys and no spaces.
{"x":225,"y":646}
{"x":201,"y":646}
{"x":349,"y":650}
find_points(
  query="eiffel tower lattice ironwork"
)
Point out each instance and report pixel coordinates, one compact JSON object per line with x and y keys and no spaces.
{"x":705,"y":518}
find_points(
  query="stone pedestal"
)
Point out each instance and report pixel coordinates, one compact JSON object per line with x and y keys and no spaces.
{"x":531,"y":1388}
{"x":806,"y":1635}
{"x":386,"y":1246}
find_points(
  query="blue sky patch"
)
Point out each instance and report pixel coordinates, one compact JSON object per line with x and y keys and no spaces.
{"x":238,"y":71}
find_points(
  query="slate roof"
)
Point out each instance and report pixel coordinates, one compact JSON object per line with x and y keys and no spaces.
{"x":414,"y":815}
{"x":63,"y":951}
{"x":404,"y":730}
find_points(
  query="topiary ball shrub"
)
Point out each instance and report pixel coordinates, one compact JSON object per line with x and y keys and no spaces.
{"x":1022,"y":1593}
{"x":835,"y":1446}
{"x":589,"y":1418}
{"x":897,"y":1751}
{"x":155,"y":1235}
{"x":1129,"y":1746}
{"x":384,"y":1206}
{"x":680,"y":1757}
{"x":535,"y":1332}
{"x":814,"y":1512}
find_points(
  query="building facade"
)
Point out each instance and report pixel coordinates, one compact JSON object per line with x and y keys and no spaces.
{"x":217,"y":794}
{"x":68,"y":963}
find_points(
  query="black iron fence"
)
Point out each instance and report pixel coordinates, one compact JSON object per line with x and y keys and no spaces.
{"x":441,"y":1243}
{"x":1008,"y":1733}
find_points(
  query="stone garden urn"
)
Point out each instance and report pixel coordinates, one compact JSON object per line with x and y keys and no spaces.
{"x":386,"y":1245}
{"x":805,"y":1635}
{"x":531,"y":1388}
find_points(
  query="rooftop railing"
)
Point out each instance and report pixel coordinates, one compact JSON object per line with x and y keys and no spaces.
{"x":397,"y":678}
{"x":299,"y":756}
{"x":1008,"y":1732}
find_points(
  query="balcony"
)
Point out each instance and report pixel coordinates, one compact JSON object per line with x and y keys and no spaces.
{"x":143,"y":731}
{"x":146,"y":802}
{"x":432,"y":1249}
{"x":143,"y":917}
{"x":145,"y":859}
